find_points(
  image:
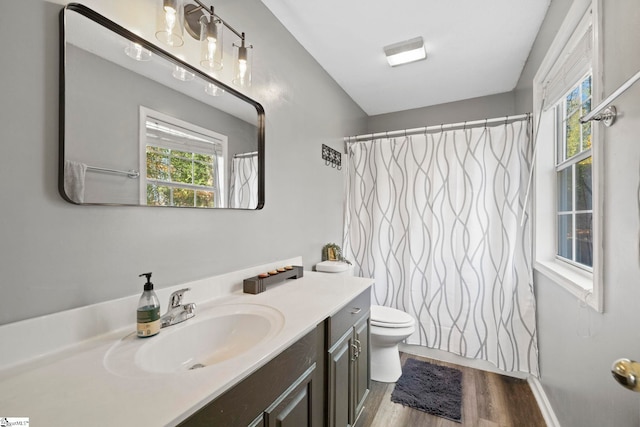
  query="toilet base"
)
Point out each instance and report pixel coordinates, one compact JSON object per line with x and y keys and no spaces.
{"x":385,"y":364}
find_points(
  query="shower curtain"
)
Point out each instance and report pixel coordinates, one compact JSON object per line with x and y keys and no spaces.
{"x":439,"y":221}
{"x":243,"y":191}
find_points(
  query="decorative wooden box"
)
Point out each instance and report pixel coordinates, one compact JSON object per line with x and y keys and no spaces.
{"x":257,"y":284}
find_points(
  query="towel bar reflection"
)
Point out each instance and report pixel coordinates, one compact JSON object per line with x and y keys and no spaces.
{"x":133,"y":174}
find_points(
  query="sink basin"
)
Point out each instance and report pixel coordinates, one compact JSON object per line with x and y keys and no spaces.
{"x":216,"y":335}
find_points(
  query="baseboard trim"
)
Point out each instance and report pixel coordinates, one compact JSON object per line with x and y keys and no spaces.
{"x":543,"y":402}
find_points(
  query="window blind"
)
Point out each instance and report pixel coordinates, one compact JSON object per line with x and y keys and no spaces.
{"x":160,"y":134}
{"x":570,"y":69}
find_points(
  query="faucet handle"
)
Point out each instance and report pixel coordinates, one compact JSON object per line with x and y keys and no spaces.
{"x":176,"y":298}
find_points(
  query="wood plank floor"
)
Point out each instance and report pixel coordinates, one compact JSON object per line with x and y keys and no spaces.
{"x":488,"y":400}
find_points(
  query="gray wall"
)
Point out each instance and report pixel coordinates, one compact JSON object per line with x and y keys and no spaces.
{"x":575,"y":370}
{"x":485,"y":107}
{"x":56,"y":256}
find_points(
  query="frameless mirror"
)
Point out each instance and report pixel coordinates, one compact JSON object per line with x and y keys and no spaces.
{"x":139,"y":126}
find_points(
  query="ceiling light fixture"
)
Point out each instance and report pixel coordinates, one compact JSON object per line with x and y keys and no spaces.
{"x":405,"y":52}
{"x":205,"y":26}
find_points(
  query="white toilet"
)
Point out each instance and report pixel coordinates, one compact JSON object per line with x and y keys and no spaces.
{"x":389,"y":327}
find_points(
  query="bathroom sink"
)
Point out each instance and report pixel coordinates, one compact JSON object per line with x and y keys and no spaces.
{"x":216,"y":335}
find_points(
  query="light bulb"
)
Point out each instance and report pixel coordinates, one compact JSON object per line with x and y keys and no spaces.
{"x":243,"y":68}
{"x":211,"y":49}
{"x":170,"y":18}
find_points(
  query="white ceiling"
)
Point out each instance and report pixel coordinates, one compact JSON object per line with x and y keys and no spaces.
{"x":474,"y":48}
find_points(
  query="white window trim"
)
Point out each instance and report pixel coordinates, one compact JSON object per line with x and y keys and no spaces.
{"x":145,"y":113}
{"x":583,"y":284}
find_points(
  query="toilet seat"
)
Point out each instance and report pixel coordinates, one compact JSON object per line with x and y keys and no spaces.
{"x":387,"y":317}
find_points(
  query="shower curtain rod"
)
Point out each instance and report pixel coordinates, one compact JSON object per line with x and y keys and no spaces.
{"x":417,"y":131}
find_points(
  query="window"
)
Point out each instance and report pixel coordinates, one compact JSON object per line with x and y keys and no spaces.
{"x":574,"y":204}
{"x":183,"y":164}
{"x":568,"y":198}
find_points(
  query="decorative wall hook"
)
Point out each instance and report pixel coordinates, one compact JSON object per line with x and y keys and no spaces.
{"x":331,"y":157}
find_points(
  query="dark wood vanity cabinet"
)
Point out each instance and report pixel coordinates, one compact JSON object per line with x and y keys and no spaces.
{"x":348,"y":361}
{"x":293,"y":408}
{"x":286,"y":392}
{"x":322,"y":380}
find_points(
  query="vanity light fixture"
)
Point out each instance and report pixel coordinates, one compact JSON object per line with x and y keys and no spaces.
{"x":242,"y":63}
{"x":169,"y":23}
{"x":405,"y":52}
{"x":213,"y":90}
{"x":182,"y":74}
{"x":137,"y":52}
{"x":205,"y":26}
{"x":211,"y":30}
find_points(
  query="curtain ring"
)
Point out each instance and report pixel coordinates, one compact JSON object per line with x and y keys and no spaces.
{"x":441,"y":127}
{"x":485,"y":123}
{"x":464,"y":126}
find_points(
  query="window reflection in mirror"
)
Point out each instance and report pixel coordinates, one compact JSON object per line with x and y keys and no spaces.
{"x":183,"y":164}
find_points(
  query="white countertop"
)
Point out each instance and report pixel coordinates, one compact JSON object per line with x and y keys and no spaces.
{"x":73,"y":387}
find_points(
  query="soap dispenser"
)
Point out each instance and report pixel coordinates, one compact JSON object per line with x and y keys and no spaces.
{"x":148,"y":313}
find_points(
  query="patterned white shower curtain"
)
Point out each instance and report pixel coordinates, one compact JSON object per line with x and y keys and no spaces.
{"x":243,"y":191}
{"x":435,"y":219}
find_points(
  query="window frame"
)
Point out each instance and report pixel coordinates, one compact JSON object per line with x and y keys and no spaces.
{"x":146,"y":114}
{"x":585,"y":284}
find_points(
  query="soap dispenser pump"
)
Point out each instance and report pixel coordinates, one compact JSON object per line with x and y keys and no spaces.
{"x":148,"y":313}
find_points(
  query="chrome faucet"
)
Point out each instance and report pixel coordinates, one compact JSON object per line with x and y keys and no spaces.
{"x":177,"y":312}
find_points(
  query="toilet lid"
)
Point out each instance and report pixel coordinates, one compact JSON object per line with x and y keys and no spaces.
{"x":390,"y":317}
{"x":332,"y":266}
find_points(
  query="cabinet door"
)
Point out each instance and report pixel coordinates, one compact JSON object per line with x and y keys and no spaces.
{"x":293,"y":408}
{"x":339,"y":376}
{"x":360,"y":368}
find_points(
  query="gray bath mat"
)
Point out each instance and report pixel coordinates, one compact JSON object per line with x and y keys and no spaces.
{"x":433,"y":389}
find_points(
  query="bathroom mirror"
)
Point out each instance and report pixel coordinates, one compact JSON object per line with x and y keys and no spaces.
{"x":139,"y":126}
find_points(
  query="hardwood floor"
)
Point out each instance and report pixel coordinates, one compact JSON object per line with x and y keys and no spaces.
{"x":488,"y":400}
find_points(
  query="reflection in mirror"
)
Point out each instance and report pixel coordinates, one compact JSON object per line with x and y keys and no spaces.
{"x":140,"y":127}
